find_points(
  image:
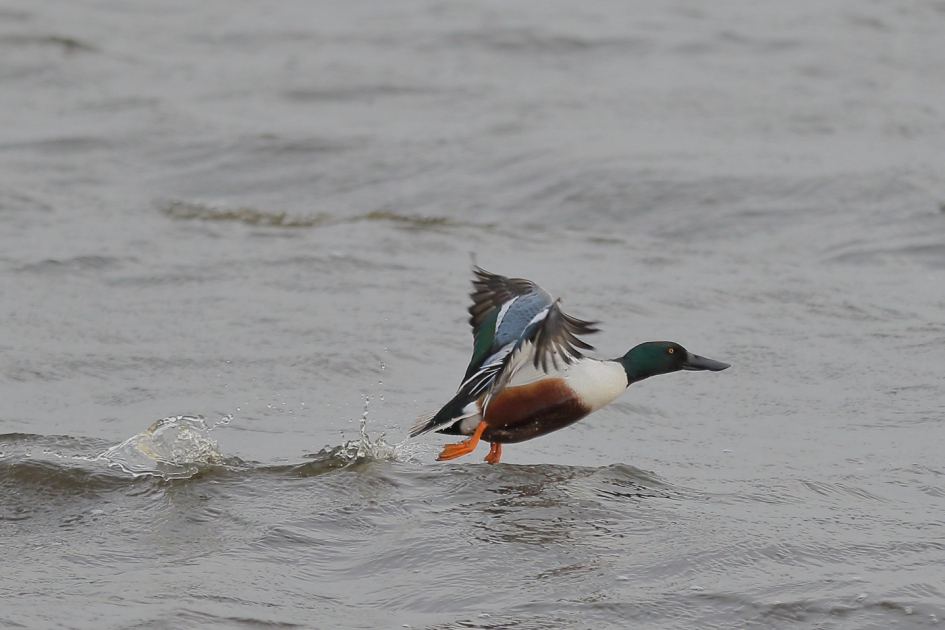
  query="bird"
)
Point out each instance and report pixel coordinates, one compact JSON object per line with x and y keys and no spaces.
{"x":528,"y":375}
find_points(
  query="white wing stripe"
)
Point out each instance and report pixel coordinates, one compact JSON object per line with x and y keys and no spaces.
{"x":505,"y":309}
{"x":542,"y":314}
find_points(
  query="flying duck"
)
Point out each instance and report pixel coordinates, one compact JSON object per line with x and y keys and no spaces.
{"x":528,"y":377}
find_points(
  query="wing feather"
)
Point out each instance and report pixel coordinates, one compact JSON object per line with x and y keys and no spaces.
{"x":491,"y":291}
{"x":556,"y":336}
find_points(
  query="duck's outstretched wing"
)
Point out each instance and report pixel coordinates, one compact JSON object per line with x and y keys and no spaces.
{"x":501,"y":310}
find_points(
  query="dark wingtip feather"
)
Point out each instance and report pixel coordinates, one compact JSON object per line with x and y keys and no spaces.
{"x":557,"y":337}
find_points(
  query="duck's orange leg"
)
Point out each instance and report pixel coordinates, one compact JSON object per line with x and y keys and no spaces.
{"x":495,"y":452}
{"x":452,"y":451}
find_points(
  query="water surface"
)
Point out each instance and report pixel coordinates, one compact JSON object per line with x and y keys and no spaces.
{"x":263,"y":215}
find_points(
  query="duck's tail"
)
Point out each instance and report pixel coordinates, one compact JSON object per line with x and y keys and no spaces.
{"x":455,"y":410}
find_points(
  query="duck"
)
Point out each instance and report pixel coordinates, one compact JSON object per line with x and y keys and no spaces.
{"x":529,"y":376}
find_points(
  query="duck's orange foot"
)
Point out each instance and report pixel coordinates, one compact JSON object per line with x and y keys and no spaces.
{"x":452,"y":451}
{"x":495,"y":452}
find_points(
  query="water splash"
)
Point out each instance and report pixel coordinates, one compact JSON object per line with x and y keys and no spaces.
{"x":366,"y":448}
{"x":176,"y":447}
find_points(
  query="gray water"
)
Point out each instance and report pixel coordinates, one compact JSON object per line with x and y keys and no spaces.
{"x":262,"y":214}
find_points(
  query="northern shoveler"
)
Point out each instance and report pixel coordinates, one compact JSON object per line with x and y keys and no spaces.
{"x":528,"y":377}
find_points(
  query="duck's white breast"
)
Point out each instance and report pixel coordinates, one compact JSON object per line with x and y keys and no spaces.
{"x":597,"y":383}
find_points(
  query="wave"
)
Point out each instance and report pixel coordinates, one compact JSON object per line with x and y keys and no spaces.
{"x":255,"y":216}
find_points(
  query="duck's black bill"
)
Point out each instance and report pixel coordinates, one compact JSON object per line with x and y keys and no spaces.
{"x":695,"y":362}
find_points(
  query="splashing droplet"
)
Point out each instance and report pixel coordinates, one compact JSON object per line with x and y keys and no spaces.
{"x":366,"y":448}
{"x":222,"y":422}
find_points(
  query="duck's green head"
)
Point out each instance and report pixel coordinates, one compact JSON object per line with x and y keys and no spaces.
{"x":662,"y":357}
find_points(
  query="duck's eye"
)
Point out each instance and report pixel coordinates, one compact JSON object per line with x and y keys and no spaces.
{"x":671,"y":350}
